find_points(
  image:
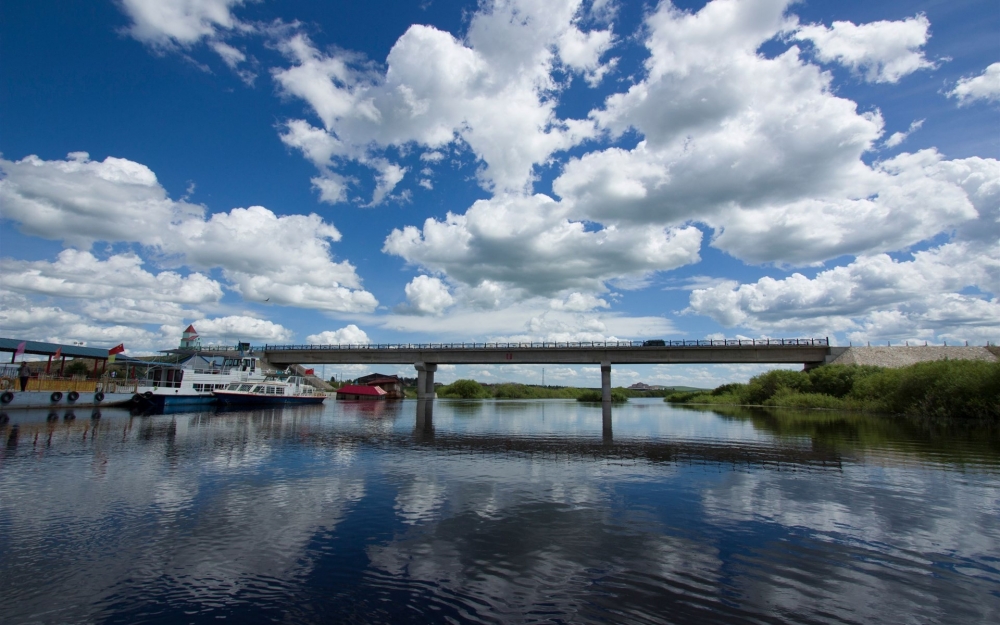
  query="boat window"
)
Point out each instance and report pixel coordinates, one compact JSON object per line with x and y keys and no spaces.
{"x":245,"y":387}
{"x":258,"y":389}
{"x":280,"y":390}
{"x":198,"y":388}
{"x":178,"y":377}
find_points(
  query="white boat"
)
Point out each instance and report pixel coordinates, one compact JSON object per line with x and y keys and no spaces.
{"x":71,"y":397}
{"x":273,"y":390}
{"x":192,"y":383}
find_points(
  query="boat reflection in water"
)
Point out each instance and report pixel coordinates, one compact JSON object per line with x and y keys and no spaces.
{"x":497,"y":511}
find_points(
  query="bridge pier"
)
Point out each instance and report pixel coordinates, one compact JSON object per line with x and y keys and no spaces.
{"x":425,"y":379}
{"x":606,"y":382}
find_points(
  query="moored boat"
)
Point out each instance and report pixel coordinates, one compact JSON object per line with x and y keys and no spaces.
{"x":191,"y":383}
{"x":273,"y":390}
{"x":68,"y":398}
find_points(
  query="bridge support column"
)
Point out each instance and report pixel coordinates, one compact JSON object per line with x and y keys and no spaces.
{"x":606,"y":382}
{"x":425,"y":379}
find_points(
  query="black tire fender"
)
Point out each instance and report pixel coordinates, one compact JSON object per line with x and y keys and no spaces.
{"x":56,"y":396}
{"x":7,"y":397}
{"x":73,"y":396}
{"x":99,"y":396}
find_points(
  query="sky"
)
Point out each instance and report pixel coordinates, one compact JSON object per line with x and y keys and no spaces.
{"x":522,"y":170}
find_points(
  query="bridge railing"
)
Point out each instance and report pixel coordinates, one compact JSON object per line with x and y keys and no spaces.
{"x":824,"y":342}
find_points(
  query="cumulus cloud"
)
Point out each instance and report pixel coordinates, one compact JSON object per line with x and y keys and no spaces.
{"x":348,"y":335}
{"x":782,"y":151}
{"x":529,"y":243}
{"x":985,"y":87}
{"x":489,"y":91}
{"x":80,"y":274}
{"x":240,"y":327}
{"x":882,"y":52}
{"x":428,"y":295}
{"x":178,"y":22}
{"x":81,"y":201}
{"x":922,"y":295}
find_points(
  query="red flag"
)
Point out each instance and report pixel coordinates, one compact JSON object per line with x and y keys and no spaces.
{"x":116,"y":349}
{"x":20,"y":349}
{"x":57,"y":354}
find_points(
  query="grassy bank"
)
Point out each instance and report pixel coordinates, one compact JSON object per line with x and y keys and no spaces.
{"x":944,"y":388}
{"x":470,"y":389}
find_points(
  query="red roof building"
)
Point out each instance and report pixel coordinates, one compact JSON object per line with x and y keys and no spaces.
{"x":354,"y":391}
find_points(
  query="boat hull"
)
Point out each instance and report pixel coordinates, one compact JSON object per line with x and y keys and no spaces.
{"x":61,"y":399}
{"x":226,"y":398}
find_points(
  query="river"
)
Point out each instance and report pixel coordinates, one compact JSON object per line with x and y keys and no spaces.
{"x":497,"y":512}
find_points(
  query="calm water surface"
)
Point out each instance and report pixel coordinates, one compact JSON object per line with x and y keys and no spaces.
{"x":497,"y":512}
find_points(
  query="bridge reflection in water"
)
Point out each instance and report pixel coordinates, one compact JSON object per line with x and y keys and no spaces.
{"x":34,"y":428}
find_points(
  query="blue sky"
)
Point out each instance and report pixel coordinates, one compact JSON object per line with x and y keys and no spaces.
{"x":524,"y":170}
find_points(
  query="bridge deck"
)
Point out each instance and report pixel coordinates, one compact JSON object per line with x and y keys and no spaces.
{"x":622,"y":352}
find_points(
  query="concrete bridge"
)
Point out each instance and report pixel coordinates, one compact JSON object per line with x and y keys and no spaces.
{"x":426,"y":357}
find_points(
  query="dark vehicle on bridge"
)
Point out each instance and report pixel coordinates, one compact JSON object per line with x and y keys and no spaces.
{"x":654,"y":343}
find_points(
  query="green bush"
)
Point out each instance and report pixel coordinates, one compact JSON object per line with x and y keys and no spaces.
{"x":838,"y":380}
{"x":764,"y":386}
{"x":512,"y":391}
{"x":942,"y":388}
{"x":729,"y":389}
{"x":463,"y":389}
{"x":617,"y":397}
{"x":785,"y":398}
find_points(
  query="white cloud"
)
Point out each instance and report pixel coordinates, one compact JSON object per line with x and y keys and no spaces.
{"x":529,"y":244}
{"x":230,"y":55}
{"x":81,"y":201}
{"x":883,"y":52}
{"x":165,"y":23}
{"x":530,"y":319}
{"x":921,"y":295}
{"x":985,"y":86}
{"x":489,"y":91}
{"x":82,"y":275}
{"x":782,"y":151}
{"x":348,"y":335}
{"x":428,"y":295}
{"x":239,"y":327}
{"x":898,"y":137}
{"x":389,"y":175}
{"x":579,"y":302}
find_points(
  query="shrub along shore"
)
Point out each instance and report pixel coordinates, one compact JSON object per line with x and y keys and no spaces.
{"x":470,"y":389}
{"x":945,"y":388}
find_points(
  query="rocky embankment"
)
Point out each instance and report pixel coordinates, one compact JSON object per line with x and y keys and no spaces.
{"x":902,"y":356}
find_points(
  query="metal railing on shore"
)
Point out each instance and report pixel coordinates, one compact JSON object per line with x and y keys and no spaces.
{"x":824,"y":342}
{"x":46,"y":383}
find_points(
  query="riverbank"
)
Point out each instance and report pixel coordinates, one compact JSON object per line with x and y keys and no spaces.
{"x":966,"y":389}
{"x":470,"y":389}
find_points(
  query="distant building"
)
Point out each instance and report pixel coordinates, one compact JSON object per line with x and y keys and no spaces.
{"x":642,"y":386}
{"x":190,"y":339}
{"x":391,"y":384}
{"x":357,"y":391}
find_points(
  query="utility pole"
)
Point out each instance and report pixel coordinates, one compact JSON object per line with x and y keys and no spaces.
{"x":543,"y":376}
